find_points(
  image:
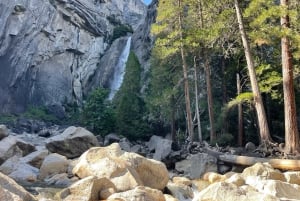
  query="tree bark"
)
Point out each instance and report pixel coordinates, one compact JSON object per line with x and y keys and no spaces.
{"x":197,"y":101}
{"x":240,"y":113}
{"x":290,"y":119}
{"x":258,"y":103}
{"x":186,"y":81}
{"x":213,"y":135}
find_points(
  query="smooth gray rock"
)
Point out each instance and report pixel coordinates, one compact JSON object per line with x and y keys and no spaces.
{"x":162,"y":147}
{"x":196,"y":165}
{"x":72,"y":142}
{"x":53,"y":164}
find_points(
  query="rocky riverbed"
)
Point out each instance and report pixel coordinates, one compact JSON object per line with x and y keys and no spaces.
{"x":73,"y":164}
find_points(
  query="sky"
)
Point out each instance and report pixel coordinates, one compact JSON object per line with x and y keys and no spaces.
{"x":147,"y":2}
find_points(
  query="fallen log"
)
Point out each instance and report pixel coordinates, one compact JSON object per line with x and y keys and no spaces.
{"x":282,"y":164}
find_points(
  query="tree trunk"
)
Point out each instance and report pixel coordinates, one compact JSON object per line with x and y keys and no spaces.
{"x":258,"y":103}
{"x":290,"y":119}
{"x":197,"y":101}
{"x":213,"y":136}
{"x":240,"y":113}
{"x":173,"y":130}
{"x":186,"y":81}
{"x":224,"y":94}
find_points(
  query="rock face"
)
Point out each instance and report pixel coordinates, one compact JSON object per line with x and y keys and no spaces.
{"x":72,"y":142}
{"x":54,"y":52}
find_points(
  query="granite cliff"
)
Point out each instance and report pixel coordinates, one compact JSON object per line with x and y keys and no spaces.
{"x":54,"y":52}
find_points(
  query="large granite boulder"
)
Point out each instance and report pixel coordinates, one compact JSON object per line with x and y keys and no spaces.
{"x":11,"y":146}
{"x":194,"y":166}
{"x":11,"y":191}
{"x":222,"y":191}
{"x":276,"y":188}
{"x":89,"y":189}
{"x":125,"y":170}
{"x":72,"y":142}
{"x":263,"y":169}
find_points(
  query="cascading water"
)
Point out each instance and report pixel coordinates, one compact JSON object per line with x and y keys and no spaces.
{"x":120,"y":70}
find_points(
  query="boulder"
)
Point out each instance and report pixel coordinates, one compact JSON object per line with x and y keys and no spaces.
{"x":152,"y":173}
{"x":276,"y":188}
{"x":36,"y":158}
{"x":250,"y":146}
{"x":125,"y":170}
{"x":11,"y":189}
{"x":111,"y":138}
{"x":3,"y":131}
{"x":213,"y":177}
{"x":107,"y":162}
{"x":61,"y":180}
{"x":236,"y":179}
{"x":11,"y":145}
{"x":182,"y":180}
{"x":125,"y":144}
{"x":196,"y":165}
{"x":25,"y":173}
{"x":53,"y":164}
{"x":199,"y":184}
{"x":140,"y":193}
{"x":89,"y":189}
{"x":5,"y":195}
{"x":222,"y":191}
{"x":292,"y":177}
{"x":72,"y":142}
{"x":162,"y":147}
{"x":263,"y":169}
{"x":170,"y":198}
{"x":180,"y":191}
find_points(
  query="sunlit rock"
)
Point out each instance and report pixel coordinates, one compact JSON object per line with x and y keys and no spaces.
{"x":53,"y":164}
{"x":264,"y":170}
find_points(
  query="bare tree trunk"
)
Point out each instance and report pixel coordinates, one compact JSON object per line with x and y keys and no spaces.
{"x":240,"y":113}
{"x":290,"y":119}
{"x":258,"y":103}
{"x":186,"y":81}
{"x":213,"y":136}
{"x":197,"y":101}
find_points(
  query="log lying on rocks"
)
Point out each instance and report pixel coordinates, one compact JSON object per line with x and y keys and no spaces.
{"x":282,"y":164}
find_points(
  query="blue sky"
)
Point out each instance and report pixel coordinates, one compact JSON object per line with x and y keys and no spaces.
{"x":147,"y":1}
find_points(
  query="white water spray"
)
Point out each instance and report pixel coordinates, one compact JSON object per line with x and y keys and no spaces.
{"x":119,"y":71}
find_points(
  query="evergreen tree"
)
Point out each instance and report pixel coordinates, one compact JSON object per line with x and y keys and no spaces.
{"x":129,"y":106}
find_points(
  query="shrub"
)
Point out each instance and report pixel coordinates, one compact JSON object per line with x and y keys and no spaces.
{"x":120,"y":31}
{"x":40,"y":113}
{"x":98,"y":114}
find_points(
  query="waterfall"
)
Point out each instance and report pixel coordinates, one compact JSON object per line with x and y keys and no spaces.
{"x":119,"y":71}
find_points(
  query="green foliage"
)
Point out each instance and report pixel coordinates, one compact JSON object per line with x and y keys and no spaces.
{"x":98,"y":114}
{"x":129,"y":106}
{"x":40,"y":113}
{"x":7,"y":119}
{"x":121,"y":30}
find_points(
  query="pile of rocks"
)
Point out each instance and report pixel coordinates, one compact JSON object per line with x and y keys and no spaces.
{"x":111,"y":173}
